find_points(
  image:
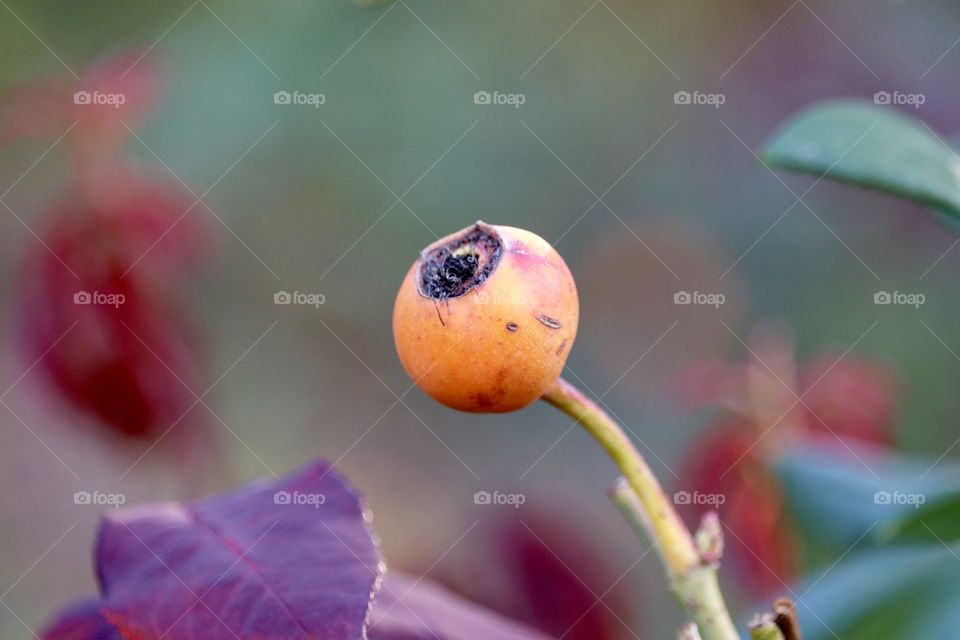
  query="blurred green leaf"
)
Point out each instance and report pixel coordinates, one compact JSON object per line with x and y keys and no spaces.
{"x":889,"y":594}
{"x":838,"y":498}
{"x":853,"y":503}
{"x":938,"y":520}
{"x":870,"y":146}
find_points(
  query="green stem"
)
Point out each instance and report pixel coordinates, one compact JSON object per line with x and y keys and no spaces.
{"x":765,"y":628}
{"x":693,"y":581}
{"x":689,"y":631}
{"x":697,"y":590}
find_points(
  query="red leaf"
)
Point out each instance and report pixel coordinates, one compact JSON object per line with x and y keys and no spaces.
{"x":407,"y":609}
{"x":129,"y":362}
{"x":725,"y":474}
{"x":113,"y":91}
{"x":284,"y":560}
{"x":81,"y":621}
{"x":287,"y":559}
{"x":850,"y":397}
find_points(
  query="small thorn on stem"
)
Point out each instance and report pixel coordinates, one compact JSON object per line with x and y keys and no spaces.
{"x":780,"y":624}
{"x":709,"y":538}
{"x":689,"y":631}
{"x":787,"y":620}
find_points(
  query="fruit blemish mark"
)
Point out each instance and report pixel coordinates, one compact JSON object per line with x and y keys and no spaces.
{"x":549,"y":322}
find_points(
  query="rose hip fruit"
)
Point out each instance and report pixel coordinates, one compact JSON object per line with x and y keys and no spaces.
{"x":485,"y":318}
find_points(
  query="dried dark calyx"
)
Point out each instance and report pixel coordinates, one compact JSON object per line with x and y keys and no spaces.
{"x":451,"y":270}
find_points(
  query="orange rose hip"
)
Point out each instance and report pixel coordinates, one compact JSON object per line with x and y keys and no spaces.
{"x":485,"y":318}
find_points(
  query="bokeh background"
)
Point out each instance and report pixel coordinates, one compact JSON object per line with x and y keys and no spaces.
{"x":642,"y":196}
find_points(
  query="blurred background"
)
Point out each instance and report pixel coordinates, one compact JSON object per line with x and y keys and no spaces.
{"x":377,"y":147}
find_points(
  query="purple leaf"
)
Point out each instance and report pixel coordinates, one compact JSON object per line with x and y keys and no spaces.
{"x":407,"y":609}
{"x":81,"y":621}
{"x":289,"y":559}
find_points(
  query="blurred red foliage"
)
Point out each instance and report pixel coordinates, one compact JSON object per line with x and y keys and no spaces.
{"x":101,"y":290}
{"x":551,"y":575}
{"x":766,"y":404}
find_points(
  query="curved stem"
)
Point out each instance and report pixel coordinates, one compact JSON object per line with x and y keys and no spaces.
{"x":692,"y":580}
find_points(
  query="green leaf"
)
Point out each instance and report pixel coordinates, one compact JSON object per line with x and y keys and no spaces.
{"x":837,"y":498}
{"x":883,"y":594}
{"x":870,"y":146}
{"x":852,"y":505}
{"x":936,"y":521}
